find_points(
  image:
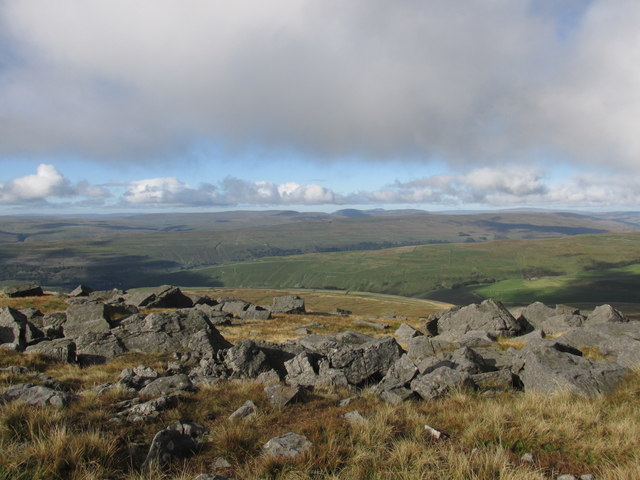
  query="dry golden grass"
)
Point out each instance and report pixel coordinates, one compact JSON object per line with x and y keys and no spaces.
{"x":47,"y":303}
{"x":488,"y":434}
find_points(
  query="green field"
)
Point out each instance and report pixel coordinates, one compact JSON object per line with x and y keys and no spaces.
{"x":582,"y":268}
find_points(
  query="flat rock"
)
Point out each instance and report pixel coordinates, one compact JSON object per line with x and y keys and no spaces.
{"x":287,"y":445}
{"x":59,"y":350}
{"x":282,"y":395}
{"x":23,"y":290}
{"x":36,"y":395}
{"x":167,"y":385}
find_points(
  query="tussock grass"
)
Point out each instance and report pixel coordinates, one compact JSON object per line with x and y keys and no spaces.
{"x":488,"y":435}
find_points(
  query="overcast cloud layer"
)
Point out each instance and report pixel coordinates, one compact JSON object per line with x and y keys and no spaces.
{"x":470,"y":81}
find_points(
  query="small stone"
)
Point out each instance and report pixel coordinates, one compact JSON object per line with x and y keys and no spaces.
{"x":527,"y":457}
{"x":247,"y":410}
{"x":566,"y":476}
{"x":287,"y":445}
{"x":347,"y":401}
{"x":435,"y":433}
{"x":587,"y":476}
{"x":221,"y":462}
{"x":354,"y":417}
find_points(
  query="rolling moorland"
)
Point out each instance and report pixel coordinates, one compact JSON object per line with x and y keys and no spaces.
{"x":516,"y":257}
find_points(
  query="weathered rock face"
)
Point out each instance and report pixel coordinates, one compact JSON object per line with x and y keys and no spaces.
{"x":606,"y":314}
{"x":440,"y":382}
{"x":536,"y":313}
{"x":562,"y":323}
{"x":548,"y":370}
{"x":59,"y":350}
{"x":164,"y":296}
{"x":246,"y":360}
{"x":168,"y":332}
{"x":98,"y":347}
{"x":23,"y":290}
{"x":80,"y":291}
{"x":288,"y":304}
{"x":167,"y":385}
{"x":87,"y":318}
{"x":489,"y":316}
{"x":405,"y":332}
{"x":36,"y":395}
{"x":16,"y":329}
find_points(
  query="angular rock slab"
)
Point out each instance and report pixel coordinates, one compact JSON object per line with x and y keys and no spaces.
{"x":288,"y":304}
{"x":167,"y":385}
{"x":282,"y":395}
{"x":288,"y":445}
{"x":36,"y":395}
{"x":548,"y":371}
{"x":489,"y":316}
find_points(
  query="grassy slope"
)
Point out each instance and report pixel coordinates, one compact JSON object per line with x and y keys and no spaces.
{"x":568,"y":269}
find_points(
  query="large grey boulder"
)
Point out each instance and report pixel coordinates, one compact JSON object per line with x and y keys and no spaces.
{"x":89,"y":317}
{"x":15,"y":330}
{"x":169,"y":445}
{"x":256,"y":312}
{"x":169,"y":332}
{"x":138,"y":377}
{"x":59,"y":350}
{"x":23,"y":290}
{"x":288,"y":304}
{"x":606,"y":314}
{"x":80,"y":291}
{"x":440,"y":382}
{"x":489,"y":316}
{"x":365,"y":362}
{"x":246,"y":360}
{"x":287,"y":445}
{"x":549,"y":370}
{"x":36,"y":395}
{"x":165,"y":296}
{"x":536,"y":313}
{"x":94,"y":348}
{"x":405,"y":332}
{"x":616,"y":342}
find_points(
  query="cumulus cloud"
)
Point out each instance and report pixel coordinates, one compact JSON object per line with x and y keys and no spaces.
{"x":45,"y":184}
{"x":467,"y":82}
{"x":230,"y":192}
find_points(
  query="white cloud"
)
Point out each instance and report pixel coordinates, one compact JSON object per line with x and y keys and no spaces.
{"x":45,"y":184}
{"x":231,"y":191}
{"x":470,"y":82}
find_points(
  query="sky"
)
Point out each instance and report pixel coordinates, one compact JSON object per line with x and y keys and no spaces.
{"x":206,"y":105}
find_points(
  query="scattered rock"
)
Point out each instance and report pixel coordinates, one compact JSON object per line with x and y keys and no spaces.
{"x":354,"y":417}
{"x":291,"y":304}
{"x":167,"y":385}
{"x":169,"y":445}
{"x":282,"y":395}
{"x":340,"y":312}
{"x":370,"y":324}
{"x":247,"y":410}
{"x":527,"y":458}
{"x":165,"y":296}
{"x":489,"y":316}
{"x":58,"y":350}
{"x":606,"y":314}
{"x":405,"y":332}
{"x":23,"y":290}
{"x":287,"y":445}
{"x":36,"y":395}
{"x":80,"y":291}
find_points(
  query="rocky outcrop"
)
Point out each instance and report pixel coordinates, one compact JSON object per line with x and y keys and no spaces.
{"x":165,"y":296}
{"x":23,"y":290}
{"x":288,"y":304}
